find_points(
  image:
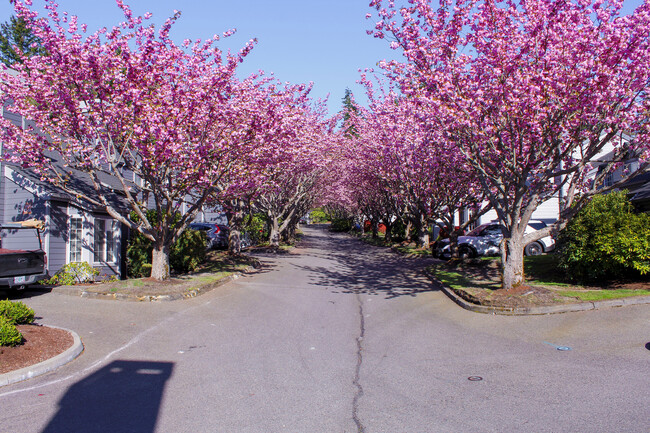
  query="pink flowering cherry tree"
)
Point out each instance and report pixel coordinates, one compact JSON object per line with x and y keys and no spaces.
{"x":293,"y":163}
{"x":530,"y":93}
{"x":423,"y":175}
{"x":167,"y":121}
{"x":283,"y":123}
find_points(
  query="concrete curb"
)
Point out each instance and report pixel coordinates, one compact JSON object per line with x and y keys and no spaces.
{"x":46,"y":366}
{"x":548,"y":309}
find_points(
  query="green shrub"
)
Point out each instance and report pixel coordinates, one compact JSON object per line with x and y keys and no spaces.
{"x":9,"y":334}
{"x":16,"y":312}
{"x":145,"y":270}
{"x":74,"y":273}
{"x":341,"y":225}
{"x":606,"y":240}
{"x":398,"y":231}
{"x":318,"y":216}
{"x":187,"y":253}
{"x":138,"y":253}
{"x":257,"y":229}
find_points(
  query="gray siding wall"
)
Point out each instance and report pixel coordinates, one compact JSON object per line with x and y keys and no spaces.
{"x":105,"y":272}
{"x":20,"y":205}
{"x":3,"y":181}
{"x":13,"y":117}
{"x":58,"y":236}
{"x":213,"y":214}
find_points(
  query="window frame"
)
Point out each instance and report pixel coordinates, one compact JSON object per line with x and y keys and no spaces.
{"x":75,"y":242}
{"x":111,"y":226}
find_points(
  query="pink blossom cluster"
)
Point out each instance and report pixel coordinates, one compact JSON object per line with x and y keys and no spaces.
{"x":529,"y":92}
{"x":173,"y":124}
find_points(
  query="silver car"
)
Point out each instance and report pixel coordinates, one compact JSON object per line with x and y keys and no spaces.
{"x":485,"y":240}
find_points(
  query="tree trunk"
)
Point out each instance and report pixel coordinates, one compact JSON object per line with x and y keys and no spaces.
{"x":424,"y":239}
{"x":274,"y":231}
{"x":234,"y":241}
{"x":512,"y":263}
{"x":453,"y":244}
{"x":289,"y":235}
{"x":407,"y":230}
{"x":389,"y":232}
{"x":422,"y":227}
{"x":160,"y":262}
{"x":235,"y":221}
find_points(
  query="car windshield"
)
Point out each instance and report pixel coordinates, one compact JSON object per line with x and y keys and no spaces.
{"x":486,"y":230}
{"x":477,"y":231}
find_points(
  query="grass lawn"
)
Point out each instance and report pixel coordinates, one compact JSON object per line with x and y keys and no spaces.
{"x":218,"y":265}
{"x":479,"y":281}
{"x":601,"y":295}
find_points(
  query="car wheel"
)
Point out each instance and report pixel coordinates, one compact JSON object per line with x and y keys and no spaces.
{"x":533,"y":249}
{"x":465,"y":252}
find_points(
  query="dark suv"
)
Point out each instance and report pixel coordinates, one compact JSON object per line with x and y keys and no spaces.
{"x":217,"y":234}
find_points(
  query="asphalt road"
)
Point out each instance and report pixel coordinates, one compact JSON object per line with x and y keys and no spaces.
{"x":335,"y":337}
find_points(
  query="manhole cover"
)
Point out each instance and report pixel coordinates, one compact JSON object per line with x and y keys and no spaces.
{"x":562,"y":348}
{"x":475,"y":378}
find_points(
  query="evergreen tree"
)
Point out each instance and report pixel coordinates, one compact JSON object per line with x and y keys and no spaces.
{"x":349,"y":108}
{"x":16,"y":38}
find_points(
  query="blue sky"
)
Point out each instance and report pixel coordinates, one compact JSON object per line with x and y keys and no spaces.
{"x":298,"y":40}
{"x":323,"y":41}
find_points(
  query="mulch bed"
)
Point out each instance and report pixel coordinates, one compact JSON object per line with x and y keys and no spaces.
{"x":520,"y":297}
{"x":39,"y":344}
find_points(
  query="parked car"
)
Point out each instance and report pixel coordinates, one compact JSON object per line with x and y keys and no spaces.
{"x":485,"y":240}
{"x":217,"y":234}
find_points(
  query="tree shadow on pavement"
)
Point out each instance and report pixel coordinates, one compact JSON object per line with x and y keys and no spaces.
{"x":124,"y":396}
{"x":359,"y":268}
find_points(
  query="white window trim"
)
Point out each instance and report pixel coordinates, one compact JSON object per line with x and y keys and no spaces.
{"x":68,"y":244}
{"x":116,"y":241}
{"x":86,"y":235}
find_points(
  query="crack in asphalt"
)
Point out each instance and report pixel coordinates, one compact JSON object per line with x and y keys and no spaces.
{"x":357,"y":372}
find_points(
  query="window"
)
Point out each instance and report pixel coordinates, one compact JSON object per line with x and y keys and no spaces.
{"x":105,"y":244}
{"x":609,"y":180}
{"x":76,"y":237}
